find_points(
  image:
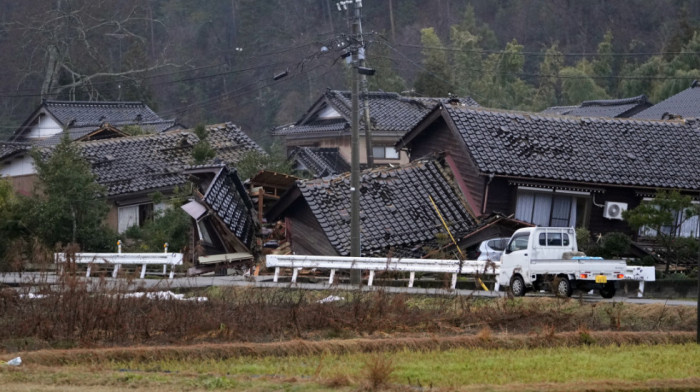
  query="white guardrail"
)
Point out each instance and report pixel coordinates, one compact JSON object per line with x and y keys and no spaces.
{"x":118,"y":259}
{"x":374,"y":264}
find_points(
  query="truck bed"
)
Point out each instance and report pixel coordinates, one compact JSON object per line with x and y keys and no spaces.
{"x":592,"y":267}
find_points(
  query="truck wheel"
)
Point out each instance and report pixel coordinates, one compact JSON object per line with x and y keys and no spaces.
{"x":608,"y":291}
{"x":563,"y":287}
{"x":517,"y":286}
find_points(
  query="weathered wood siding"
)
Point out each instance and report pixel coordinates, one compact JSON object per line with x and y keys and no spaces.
{"x":438,"y":138}
{"x":501,"y":197}
{"x":307,"y":235}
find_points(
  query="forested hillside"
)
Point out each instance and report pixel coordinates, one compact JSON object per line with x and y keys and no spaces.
{"x":207,"y":61}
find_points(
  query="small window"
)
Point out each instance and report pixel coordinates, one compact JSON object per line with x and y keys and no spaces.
{"x":554,"y":239}
{"x":385,"y":152}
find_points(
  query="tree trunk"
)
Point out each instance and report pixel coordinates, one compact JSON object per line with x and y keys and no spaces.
{"x":52,"y":66}
{"x":391,"y":20}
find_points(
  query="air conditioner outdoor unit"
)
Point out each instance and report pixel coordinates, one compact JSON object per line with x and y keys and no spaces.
{"x":613,"y":209}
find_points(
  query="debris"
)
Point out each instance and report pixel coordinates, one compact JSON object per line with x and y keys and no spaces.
{"x":331,"y":298}
{"x":164,"y":295}
{"x":15,"y":361}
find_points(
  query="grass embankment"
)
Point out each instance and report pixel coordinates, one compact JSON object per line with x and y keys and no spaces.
{"x":665,"y":367}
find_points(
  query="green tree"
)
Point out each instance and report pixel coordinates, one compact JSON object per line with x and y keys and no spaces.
{"x":663,"y":215}
{"x":253,"y":161}
{"x":467,"y":59}
{"x":69,"y":206}
{"x":202,"y":151}
{"x":549,"y":86}
{"x":435,"y":78}
{"x":578,"y":86}
{"x":602,"y":65}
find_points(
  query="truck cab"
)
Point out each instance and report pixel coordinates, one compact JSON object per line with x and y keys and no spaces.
{"x":547,"y":258}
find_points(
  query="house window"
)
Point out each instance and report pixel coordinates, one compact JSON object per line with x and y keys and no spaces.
{"x":136,"y":215}
{"x":686,"y":226}
{"x":548,"y":208}
{"x":385,"y":152}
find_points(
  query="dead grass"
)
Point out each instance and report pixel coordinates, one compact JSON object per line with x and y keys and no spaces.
{"x":220,"y":351}
{"x":75,"y":314}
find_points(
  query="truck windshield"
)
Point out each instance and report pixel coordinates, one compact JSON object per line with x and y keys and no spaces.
{"x":518,"y":242}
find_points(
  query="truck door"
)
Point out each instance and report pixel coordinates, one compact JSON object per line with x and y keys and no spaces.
{"x":516,"y":257}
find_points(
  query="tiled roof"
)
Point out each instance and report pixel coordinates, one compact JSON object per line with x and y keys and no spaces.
{"x":11,"y":148}
{"x":96,"y":113}
{"x":228,"y":198}
{"x":395,"y":208}
{"x":623,"y":108}
{"x":321,"y":162}
{"x":155,"y":161}
{"x":390,"y":114}
{"x":230,"y":142}
{"x":685,"y":104}
{"x":593,"y":150}
{"x":83,"y":117}
{"x":140,"y":163}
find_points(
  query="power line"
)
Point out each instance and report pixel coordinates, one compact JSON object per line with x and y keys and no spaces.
{"x":543,"y":54}
{"x":156,"y":76}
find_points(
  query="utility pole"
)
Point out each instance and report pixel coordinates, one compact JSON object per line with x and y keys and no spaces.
{"x":365,"y":93}
{"x":355,"y":275}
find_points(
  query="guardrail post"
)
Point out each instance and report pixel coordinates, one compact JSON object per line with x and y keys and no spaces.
{"x":295,"y":273}
{"x":454,"y":282}
{"x":172,"y":272}
{"x":330,"y":279}
{"x":87,"y":274}
{"x":371,"y":278}
{"x":143,"y":271}
{"x":116,"y":271}
{"x":277,"y":274}
{"x":640,"y":292}
{"x":411,"y":278}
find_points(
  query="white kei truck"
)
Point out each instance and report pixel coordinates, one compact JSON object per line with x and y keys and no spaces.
{"x":547,"y":258}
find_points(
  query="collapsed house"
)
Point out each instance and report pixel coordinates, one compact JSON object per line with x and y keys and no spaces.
{"x":225,"y":226}
{"x":405,"y":211}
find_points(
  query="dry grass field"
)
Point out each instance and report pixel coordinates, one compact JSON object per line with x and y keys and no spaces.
{"x":257,"y":339}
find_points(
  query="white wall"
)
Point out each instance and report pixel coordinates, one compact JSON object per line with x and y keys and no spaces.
{"x":45,"y":127}
{"x":20,"y":165}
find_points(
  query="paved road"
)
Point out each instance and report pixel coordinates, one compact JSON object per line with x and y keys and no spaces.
{"x":38,"y":279}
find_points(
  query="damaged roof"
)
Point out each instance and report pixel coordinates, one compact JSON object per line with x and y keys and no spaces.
{"x":319,"y":161}
{"x":146,"y":163}
{"x":621,"y":108}
{"x":632,"y":152}
{"x":396,"y":213}
{"x":228,"y":198}
{"x":391,"y":114}
{"x":685,"y":104}
{"x":8,"y":149}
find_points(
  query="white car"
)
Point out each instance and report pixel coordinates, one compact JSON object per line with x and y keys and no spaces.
{"x":492,"y":249}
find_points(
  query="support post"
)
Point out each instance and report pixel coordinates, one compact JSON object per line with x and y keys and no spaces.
{"x":330,"y":279}
{"x":277,"y":275}
{"x":143,"y":271}
{"x":371,"y":278}
{"x":411,"y":278}
{"x":295,"y":273}
{"x":453,"y":285}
